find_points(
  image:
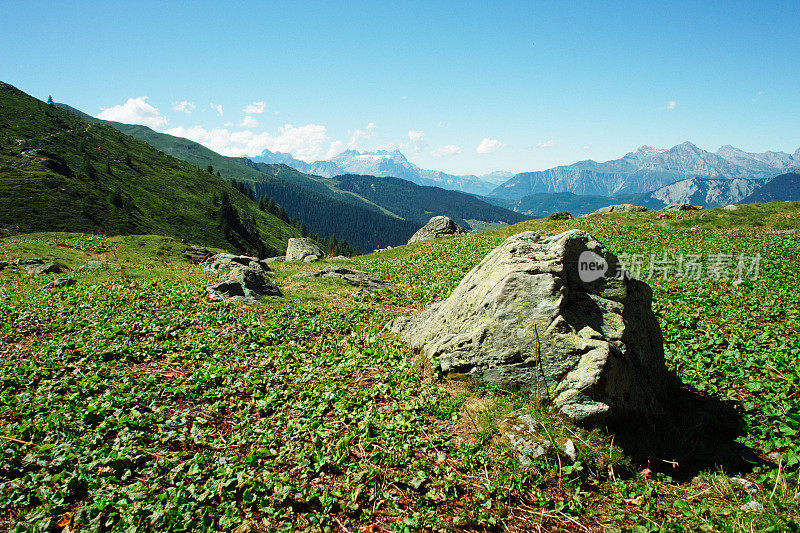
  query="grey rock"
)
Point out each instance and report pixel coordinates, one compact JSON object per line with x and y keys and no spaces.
{"x":28,"y":261}
{"x":672,"y":208}
{"x":221,"y":262}
{"x":311,"y":258}
{"x":752,"y":505}
{"x":341,"y":258}
{"x":44,"y":268}
{"x":195,"y":254}
{"x":731,"y":207}
{"x":298,"y":249}
{"x":245,"y":284}
{"x":619,"y":208}
{"x":58,"y":283}
{"x":356,"y":278}
{"x":279,"y":259}
{"x":438,"y":226}
{"x":745,"y":484}
{"x":783,"y":232}
{"x":93,"y":265}
{"x":522,"y":432}
{"x":524,"y":319}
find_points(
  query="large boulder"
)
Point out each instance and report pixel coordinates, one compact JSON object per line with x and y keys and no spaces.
{"x":356,"y":278}
{"x":555,"y":316}
{"x":436,"y":227}
{"x":245,"y":284}
{"x":619,"y":208}
{"x":302,"y":249}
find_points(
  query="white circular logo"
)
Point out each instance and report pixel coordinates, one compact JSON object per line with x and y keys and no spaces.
{"x":591,"y":266}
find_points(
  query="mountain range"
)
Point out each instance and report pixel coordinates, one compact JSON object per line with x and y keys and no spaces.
{"x":366,"y":211}
{"x":383,"y":163}
{"x":648,"y":169}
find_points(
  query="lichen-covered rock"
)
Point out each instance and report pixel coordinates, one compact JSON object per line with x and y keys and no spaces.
{"x":671,"y":208}
{"x":58,"y":283}
{"x":245,"y":284}
{"x":436,"y":227}
{"x":356,"y":278}
{"x":522,"y":431}
{"x":223,"y":261}
{"x":302,"y":249}
{"x":196,"y":254}
{"x":92,"y":265}
{"x":619,"y":208}
{"x":44,"y":268}
{"x":549,"y":315}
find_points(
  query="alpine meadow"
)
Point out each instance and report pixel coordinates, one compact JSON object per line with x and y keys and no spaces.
{"x":374,"y":268}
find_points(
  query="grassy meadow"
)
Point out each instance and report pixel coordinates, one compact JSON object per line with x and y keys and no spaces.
{"x":129,"y":402}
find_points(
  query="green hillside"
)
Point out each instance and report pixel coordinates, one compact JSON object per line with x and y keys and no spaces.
{"x":60,"y":172}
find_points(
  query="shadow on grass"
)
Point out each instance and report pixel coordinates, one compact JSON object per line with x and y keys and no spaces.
{"x":698,"y":433}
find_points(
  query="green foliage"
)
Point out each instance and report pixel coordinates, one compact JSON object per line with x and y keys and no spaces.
{"x":561,"y":215}
{"x":129,"y":402}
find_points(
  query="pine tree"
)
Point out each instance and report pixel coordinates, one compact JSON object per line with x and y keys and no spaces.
{"x":49,"y":100}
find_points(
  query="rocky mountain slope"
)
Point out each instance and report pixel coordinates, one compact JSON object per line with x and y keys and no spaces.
{"x":647,"y":169}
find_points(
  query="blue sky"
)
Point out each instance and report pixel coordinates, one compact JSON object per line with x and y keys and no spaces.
{"x":462,"y":87}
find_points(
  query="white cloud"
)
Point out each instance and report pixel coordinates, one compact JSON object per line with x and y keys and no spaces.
{"x":416,"y":137}
{"x":255,"y":108}
{"x":357,"y":135}
{"x":309,"y":142}
{"x":134,"y":111}
{"x":450,"y":149}
{"x":184,"y":107}
{"x":487,"y":146}
{"x":546,"y":144}
{"x":671,"y":105}
{"x":249,"y":122}
{"x":336,"y":148}
{"x":217,"y":108}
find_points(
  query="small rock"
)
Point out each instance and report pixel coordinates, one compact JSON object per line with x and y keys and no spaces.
{"x":29,"y":261}
{"x":196,"y":254}
{"x":671,"y":208}
{"x":311,"y":258}
{"x":570,"y":451}
{"x":245,"y":284}
{"x":341,"y":258}
{"x":221,"y":262}
{"x":93,"y":265}
{"x":521,"y":432}
{"x":752,"y":505}
{"x":748,"y":486}
{"x":731,"y":207}
{"x":44,"y":268}
{"x":356,"y":278}
{"x":619,"y":208}
{"x":279,"y":259}
{"x":58,"y":283}
{"x":783,"y":232}
{"x":436,"y":227}
{"x":298,"y":249}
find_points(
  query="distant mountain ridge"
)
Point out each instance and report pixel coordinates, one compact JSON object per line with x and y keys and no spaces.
{"x":384,"y":163}
{"x":648,"y":169}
